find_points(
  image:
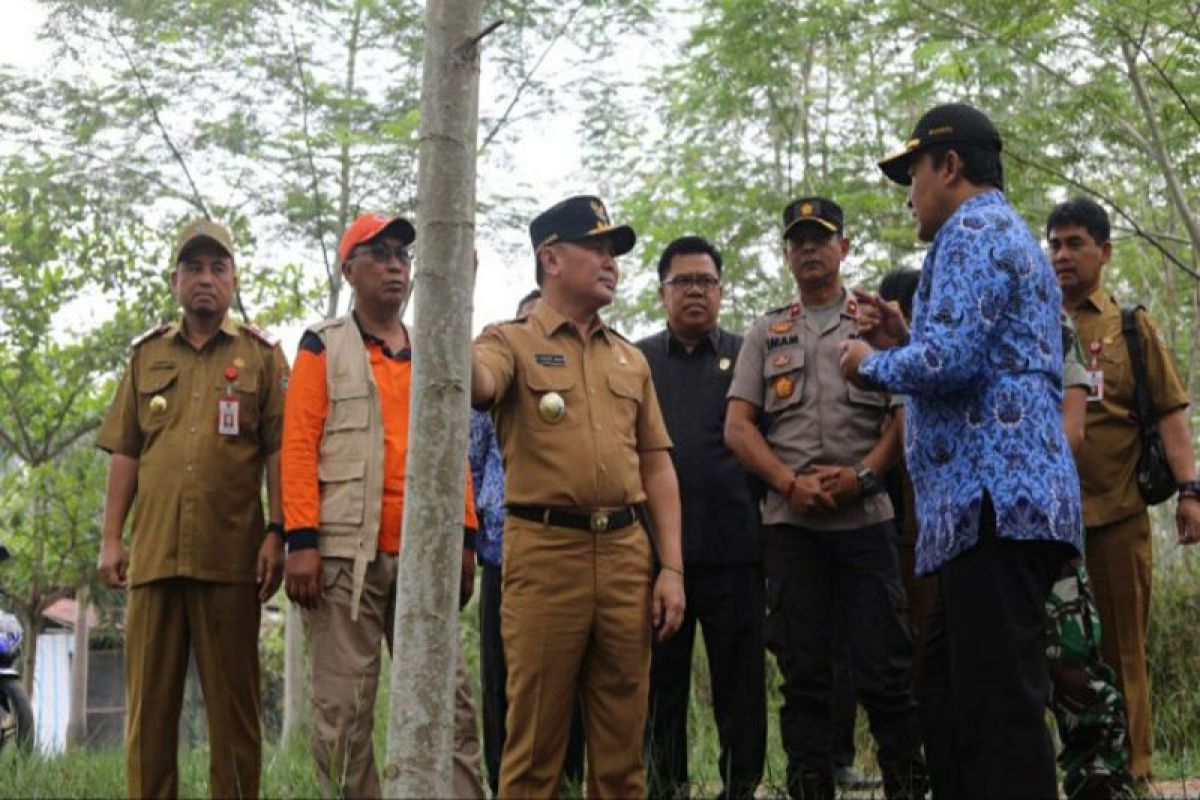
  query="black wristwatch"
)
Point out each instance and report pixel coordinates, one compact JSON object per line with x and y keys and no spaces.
{"x":1189,"y":489}
{"x":868,"y":481}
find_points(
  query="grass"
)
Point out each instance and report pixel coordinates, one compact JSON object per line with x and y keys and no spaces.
{"x":1174,"y":654}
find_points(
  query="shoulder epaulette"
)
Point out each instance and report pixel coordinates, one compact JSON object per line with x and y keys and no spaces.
{"x":326,"y":324}
{"x":781,"y":309}
{"x":621,"y":336}
{"x":514,"y":321}
{"x":158,"y":330}
{"x":260,"y":334}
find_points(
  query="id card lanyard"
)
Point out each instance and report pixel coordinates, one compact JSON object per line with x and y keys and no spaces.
{"x":227,"y":406}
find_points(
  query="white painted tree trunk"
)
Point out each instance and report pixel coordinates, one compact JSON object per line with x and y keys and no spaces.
{"x":77,"y":729}
{"x":421,"y":714}
{"x":295,"y":675}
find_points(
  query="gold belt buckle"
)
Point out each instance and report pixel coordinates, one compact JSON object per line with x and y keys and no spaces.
{"x":599,"y":521}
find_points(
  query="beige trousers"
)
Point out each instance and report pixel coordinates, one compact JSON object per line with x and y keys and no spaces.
{"x":575,"y":620}
{"x":1120,"y":563}
{"x":346,"y":657}
{"x":164,"y":620}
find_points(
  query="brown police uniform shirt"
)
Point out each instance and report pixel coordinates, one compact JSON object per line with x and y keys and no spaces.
{"x":198,"y":512}
{"x":588,"y":459}
{"x":789,"y":368}
{"x":1108,"y":459}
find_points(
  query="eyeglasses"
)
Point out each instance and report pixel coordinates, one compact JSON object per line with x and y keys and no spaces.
{"x":705,"y":283}
{"x":381,"y":252}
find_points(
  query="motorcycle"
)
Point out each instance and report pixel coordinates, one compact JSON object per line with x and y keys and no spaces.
{"x":16,"y":713}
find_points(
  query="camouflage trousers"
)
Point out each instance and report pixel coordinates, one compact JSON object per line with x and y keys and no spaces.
{"x":1087,"y":706}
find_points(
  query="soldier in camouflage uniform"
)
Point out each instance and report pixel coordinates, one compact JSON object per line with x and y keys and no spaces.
{"x":1089,"y":710}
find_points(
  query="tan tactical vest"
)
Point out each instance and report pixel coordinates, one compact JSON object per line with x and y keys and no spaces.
{"x":350,"y":460}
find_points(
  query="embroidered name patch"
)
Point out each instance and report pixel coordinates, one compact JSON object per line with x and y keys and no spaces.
{"x":550,"y":359}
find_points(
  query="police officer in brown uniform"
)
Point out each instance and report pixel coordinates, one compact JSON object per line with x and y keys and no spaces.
{"x":1118,"y":540}
{"x":196,"y":422}
{"x":828,"y":520}
{"x":584,"y":447}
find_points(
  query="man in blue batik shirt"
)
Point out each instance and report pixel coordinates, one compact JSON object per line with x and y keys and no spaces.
{"x":996,"y":489}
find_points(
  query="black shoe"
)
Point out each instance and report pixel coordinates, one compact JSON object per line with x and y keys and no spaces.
{"x":811,"y":785}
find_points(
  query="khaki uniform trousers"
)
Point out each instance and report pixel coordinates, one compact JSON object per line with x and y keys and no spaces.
{"x":346,"y":658}
{"x":575,"y":618}
{"x":1120,"y":564}
{"x":165,"y":621}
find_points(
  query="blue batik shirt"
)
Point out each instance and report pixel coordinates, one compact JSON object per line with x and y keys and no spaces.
{"x":487,"y":472}
{"x":983,"y":372}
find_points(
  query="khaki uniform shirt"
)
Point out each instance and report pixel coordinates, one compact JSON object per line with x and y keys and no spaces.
{"x":790,"y":370}
{"x":588,"y":458}
{"x":1108,"y":459}
{"x":1074,"y":372}
{"x":198,"y":511}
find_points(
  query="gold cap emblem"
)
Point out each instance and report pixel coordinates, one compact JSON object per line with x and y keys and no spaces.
{"x":600,"y":212}
{"x":552,"y":407}
{"x":158,"y":404}
{"x":806,"y":209}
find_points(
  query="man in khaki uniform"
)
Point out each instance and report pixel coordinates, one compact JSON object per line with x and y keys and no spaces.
{"x":827,"y":517}
{"x":1118,"y":541}
{"x":197,"y":419}
{"x":345,"y":446}
{"x":584,"y":447}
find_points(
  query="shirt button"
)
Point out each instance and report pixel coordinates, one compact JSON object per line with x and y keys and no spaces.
{"x":192,"y":429}
{"x":188,"y":467}
{"x":195,"y":395}
{"x":596,"y":425}
{"x":602,"y":468}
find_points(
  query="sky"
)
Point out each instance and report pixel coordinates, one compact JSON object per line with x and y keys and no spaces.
{"x":547,"y":159}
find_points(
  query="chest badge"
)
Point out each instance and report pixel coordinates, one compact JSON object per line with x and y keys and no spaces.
{"x":724,"y":364}
{"x":781,"y":327}
{"x":158,"y":404}
{"x":784,"y":386}
{"x":552,"y":408}
{"x":239,"y":362}
{"x":782,"y":360}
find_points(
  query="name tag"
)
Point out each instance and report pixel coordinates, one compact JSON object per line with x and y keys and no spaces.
{"x":227,"y":416}
{"x":1095,"y":385}
{"x":550,"y":359}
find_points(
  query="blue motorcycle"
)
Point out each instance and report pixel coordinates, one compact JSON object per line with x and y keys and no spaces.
{"x":16,"y":714}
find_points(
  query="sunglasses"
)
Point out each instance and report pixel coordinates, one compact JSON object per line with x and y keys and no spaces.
{"x":381,"y":252}
{"x":685,"y":282}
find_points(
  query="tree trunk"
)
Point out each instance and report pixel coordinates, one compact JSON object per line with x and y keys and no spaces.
{"x":1158,"y":150}
{"x":295,"y":675}
{"x":77,"y":729}
{"x":421,"y":713}
{"x":29,"y":645}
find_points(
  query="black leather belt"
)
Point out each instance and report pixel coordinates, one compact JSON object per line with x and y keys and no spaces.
{"x":580,"y":519}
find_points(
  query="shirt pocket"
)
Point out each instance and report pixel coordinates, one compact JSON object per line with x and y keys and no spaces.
{"x":866,"y":398}
{"x":783,"y":379}
{"x":349,"y":406}
{"x":158,"y":399}
{"x":245,"y":390}
{"x":626,"y":394}
{"x":343,"y":491}
{"x":542,"y":383}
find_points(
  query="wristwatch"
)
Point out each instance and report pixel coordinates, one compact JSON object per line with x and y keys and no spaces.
{"x":1189,"y":489}
{"x":868,"y":481}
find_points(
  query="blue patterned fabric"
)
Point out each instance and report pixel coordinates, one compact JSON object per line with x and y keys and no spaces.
{"x":983,"y":372}
{"x":487,"y":474}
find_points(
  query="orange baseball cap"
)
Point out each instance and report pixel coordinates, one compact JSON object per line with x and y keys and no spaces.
{"x":372,"y":224}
